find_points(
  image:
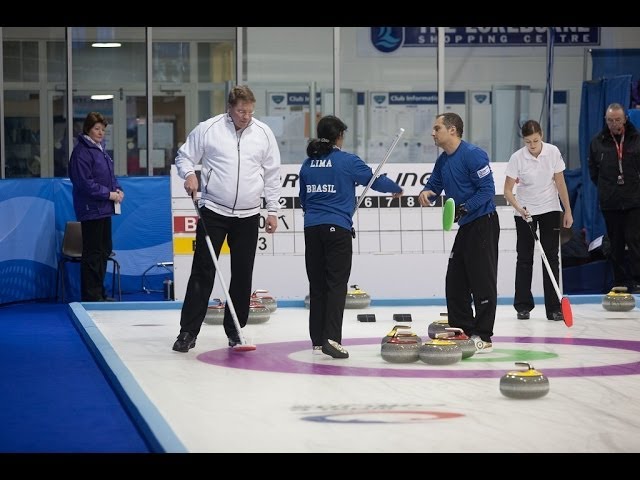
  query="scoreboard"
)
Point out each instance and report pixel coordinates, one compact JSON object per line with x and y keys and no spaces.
{"x":393,"y":237}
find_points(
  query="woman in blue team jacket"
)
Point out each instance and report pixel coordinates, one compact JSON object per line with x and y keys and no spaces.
{"x":328,"y":180}
{"x":96,"y":192}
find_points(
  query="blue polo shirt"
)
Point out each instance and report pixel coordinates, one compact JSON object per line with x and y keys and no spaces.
{"x":465,"y":176}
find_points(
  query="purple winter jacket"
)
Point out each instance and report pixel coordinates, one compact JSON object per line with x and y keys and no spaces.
{"x":91,"y":173}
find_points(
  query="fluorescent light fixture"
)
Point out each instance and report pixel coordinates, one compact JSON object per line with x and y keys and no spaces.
{"x":101,"y":97}
{"x":106,"y":44}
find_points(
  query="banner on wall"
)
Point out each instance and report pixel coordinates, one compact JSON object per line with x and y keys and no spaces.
{"x":395,"y":230}
{"x":410,"y":41}
{"x":411,"y":176}
{"x":33,"y":215}
{"x":28,"y":258}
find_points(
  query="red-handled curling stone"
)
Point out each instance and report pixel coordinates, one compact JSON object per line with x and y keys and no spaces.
{"x":259,"y":296}
{"x":458,"y":336}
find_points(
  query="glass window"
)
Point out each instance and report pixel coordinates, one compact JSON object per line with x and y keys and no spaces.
{"x":29,"y":149}
{"x":281,"y":73}
{"x":20,"y":61}
{"x":171,"y":62}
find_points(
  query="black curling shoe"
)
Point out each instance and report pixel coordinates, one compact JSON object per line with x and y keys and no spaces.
{"x":185,"y":342}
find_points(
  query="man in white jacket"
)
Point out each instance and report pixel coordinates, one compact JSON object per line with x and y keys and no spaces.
{"x":240,"y":164}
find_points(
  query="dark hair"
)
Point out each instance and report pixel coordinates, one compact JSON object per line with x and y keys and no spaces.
{"x":329,"y":129}
{"x":451,"y":119}
{"x":241,"y":93}
{"x":91,"y":119}
{"x":530,"y":127}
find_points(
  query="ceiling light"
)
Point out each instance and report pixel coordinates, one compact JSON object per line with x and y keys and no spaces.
{"x":106,"y":44}
{"x":101,"y":97}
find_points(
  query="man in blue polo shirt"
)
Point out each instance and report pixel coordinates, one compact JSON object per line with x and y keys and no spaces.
{"x":462,"y":170}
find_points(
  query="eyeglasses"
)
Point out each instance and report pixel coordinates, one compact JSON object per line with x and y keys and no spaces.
{"x":614,"y":121}
{"x":244,"y":113}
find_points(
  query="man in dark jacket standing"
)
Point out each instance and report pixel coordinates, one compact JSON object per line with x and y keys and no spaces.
{"x":614,"y":166}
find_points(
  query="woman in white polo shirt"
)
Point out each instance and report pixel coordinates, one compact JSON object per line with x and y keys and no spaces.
{"x":537,"y":169}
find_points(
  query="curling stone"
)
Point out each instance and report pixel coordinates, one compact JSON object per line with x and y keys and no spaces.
{"x":400,"y":350}
{"x":357,"y":298}
{"x":258,"y":313}
{"x":394,"y":333}
{"x":259,"y":296}
{"x":440,"y":352}
{"x":439,"y":326}
{"x":215,"y":313}
{"x":618,"y":300}
{"x":461,"y":339}
{"x":527,"y":383}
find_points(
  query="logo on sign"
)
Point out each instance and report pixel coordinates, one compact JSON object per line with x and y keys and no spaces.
{"x":387,"y":39}
{"x":277,"y":99}
{"x":379,"y":98}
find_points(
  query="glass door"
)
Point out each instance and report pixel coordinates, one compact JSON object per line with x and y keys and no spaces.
{"x":22,"y":133}
{"x":83,"y":103}
{"x":169,"y":131}
{"x":126,"y":139}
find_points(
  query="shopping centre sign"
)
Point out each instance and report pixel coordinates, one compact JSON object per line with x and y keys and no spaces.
{"x":390,"y":39}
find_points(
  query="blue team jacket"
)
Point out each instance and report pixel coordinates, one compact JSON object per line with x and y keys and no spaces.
{"x":328,"y":188}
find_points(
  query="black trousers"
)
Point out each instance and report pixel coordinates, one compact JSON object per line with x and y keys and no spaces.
{"x":242,"y":237}
{"x":549,"y":235}
{"x":96,"y":247}
{"x":472,"y":277}
{"x":328,"y":255}
{"x":623,"y":229}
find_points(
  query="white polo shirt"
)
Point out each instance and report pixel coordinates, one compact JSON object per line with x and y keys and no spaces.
{"x":535,"y":188}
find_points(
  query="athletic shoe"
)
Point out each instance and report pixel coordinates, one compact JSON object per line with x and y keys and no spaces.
{"x":334,"y":349}
{"x":556,"y":316}
{"x":481,"y":345}
{"x":523,"y":315}
{"x":234,"y":340}
{"x":185,"y":342}
{"x":317,"y":350}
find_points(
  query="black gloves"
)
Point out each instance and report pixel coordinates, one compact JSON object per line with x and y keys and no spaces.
{"x":460,"y":212}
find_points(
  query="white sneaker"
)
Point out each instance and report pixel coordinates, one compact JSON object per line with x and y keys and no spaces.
{"x":317,"y":350}
{"x":481,"y":345}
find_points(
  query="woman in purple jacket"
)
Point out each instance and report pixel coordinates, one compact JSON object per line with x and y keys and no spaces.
{"x":96,"y":195}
